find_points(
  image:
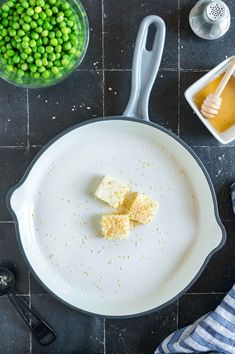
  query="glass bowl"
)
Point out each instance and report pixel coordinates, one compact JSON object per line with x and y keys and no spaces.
{"x":75,"y":61}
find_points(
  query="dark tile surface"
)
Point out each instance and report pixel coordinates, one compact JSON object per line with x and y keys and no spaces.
{"x":219,"y":163}
{"x":13,"y":163}
{"x":11,"y":257}
{"x":13,"y":332}
{"x":196,"y":53}
{"x":219,"y":274}
{"x":192,"y":307}
{"x":53,"y":110}
{"x":93,"y":58}
{"x":120,"y":35}
{"x":140,"y":335}
{"x":13,"y":115}
{"x":77,"y":332}
{"x":162,"y":110}
{"x":85,"y":95}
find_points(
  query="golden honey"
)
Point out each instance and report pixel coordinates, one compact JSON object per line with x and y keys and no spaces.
{"x":225,"y":119}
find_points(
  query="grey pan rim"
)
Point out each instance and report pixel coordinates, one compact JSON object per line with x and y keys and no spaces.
{"x":153,"y":125}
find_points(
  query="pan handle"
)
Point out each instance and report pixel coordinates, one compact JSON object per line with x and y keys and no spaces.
{"x":145,"y":67}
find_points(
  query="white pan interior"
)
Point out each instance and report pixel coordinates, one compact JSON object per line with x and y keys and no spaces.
{"x":58,"y":218}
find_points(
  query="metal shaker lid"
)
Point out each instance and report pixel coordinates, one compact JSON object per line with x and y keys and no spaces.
{"x":210,"y":19}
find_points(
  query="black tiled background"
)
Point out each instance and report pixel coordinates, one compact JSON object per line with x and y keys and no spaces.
{"x":28,"y":119}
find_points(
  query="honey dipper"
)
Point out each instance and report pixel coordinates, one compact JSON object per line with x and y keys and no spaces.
{"x":211,"y":105}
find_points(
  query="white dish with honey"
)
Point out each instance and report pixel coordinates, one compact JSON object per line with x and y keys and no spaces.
{"x":58,"y":216}
{"x":223,"y":125}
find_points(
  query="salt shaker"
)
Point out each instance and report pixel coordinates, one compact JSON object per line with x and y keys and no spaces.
{"x":210,"y":19}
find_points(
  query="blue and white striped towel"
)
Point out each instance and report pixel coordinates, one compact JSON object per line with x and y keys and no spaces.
{"x":213,"y":333}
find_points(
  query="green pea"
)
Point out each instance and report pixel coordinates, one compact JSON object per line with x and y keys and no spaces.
{"x":33,"y":68}
{"x":12,"y":32}
{"x":46,"y":74}
{"x":5,"y":7}
{"x":43,"y":15}
{"x":16,"y":25}
{"x":52,"y":56}
{"x":55,"y":70}
{"x":25,"y":4}
{"x":26,"y":27}
{"x":35,"y":16}
{"x":34,"y":35}
{"x":27,"y":18}
{"x":44,"y":61}
{"x":70,"y":23}
{"x":25,"y":45}
{"x":32,"y":43}
{"x":73,"y":51}
{"x":45,"y":33}
{"x":37,"y":55}
{"x":21,"y":33}
{"x":33,"y":24}
{"x":41,"y":69}
{"x":65,"y":61}
{"x":58,"y":49}
{"x":40,"y":3}
{"x":49,"y":49}
{"x":24,"y":66}
{"x":65,"y":37}
{"x":37,"y":75}
{"x":10,"y":52}
{"x":68,"y":13}
{"x":23,"y":56}
{"x":58,"y":55}
{"x":10,"y":68}
{"x":20,"y":73}
{"x":38,"y":62}
{"x":30,"y":59}
{"x":38,"y":9}
{"x":50,"y":64}
{"x":41,"y":50}
{"x":45,"y":41}
{"x":39,"y":29}
{"x":16,"y":58}
{"x":67,"y":46}
{"x":55,"y":10}
{"x":57,"y":63}
{"x":54,"y":42}
{"x":49,"y":12}
{"x":26,"y":39}
{"x":28,"y":50}
{"x":30,"y":11}
{"x":5,"y":22}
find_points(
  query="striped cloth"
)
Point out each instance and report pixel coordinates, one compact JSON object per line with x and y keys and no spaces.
{"x":212,"y":333}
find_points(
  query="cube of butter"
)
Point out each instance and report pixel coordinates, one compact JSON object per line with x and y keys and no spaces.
{"x":142,"y":209}
{"x":111,"y":191}
{"x":115,"y":226}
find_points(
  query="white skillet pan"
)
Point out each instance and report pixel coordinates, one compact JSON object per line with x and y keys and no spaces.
{"x":56,"y":214}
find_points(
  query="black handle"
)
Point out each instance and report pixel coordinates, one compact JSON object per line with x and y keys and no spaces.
{"x":40,"y":329}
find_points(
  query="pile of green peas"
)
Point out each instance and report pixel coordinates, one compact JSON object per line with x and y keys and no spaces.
{"x":38,"y":38}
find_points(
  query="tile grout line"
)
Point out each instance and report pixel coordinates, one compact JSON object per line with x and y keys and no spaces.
{"x":27,"y":105}
{"x":205,"y":293}
{"x":177,"y":314}
{"x":30,"y":305}
{"x":103,"y":75}
{"x":178,"y":107}
{"x":104,"y":340}
{"x":6,"y":222}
